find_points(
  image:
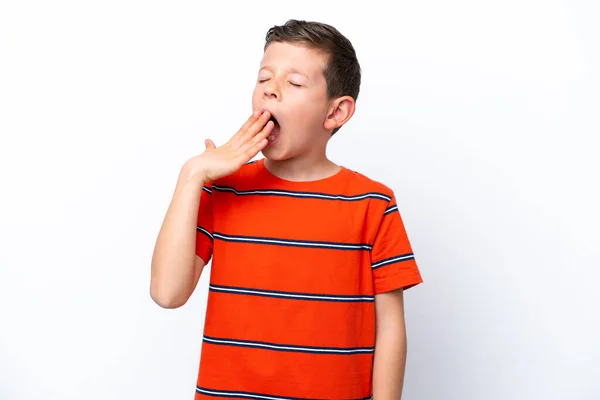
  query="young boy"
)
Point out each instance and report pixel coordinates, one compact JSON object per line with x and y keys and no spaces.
{"x":309,"y":258}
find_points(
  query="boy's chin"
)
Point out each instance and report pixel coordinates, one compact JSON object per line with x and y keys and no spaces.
{"x":274,"y":154}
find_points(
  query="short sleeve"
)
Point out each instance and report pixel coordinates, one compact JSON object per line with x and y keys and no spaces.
{"x":392,"y":259}
{"x":204,"y":231}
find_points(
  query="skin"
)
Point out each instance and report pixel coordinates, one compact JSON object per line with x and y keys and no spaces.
{"x":290,"y":86}
{"x":390,"y":346}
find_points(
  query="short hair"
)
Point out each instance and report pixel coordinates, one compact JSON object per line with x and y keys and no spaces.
{"x":342,"y":72}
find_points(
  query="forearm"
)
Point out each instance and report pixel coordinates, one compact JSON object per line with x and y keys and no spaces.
{"x":389,"y":365}
{"x":390,"y":346}
{"x":173,"y":260}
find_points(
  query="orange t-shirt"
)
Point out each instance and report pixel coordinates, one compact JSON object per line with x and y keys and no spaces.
{"x":295,"y":268}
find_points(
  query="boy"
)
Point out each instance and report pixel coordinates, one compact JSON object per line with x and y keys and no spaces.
{"x":309,"y":259}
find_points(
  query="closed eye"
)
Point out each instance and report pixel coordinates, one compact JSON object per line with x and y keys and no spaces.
{"x":294,"y":84}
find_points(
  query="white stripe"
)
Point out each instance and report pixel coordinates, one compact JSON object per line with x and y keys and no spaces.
{"x":298,"y":296}
{"x":380,"y":263}
{"x":315,"y":244}
{"x":389,"y":210}
{"x":268,"y":346}
{"x":237,"y":394}
{"x":205,"y":231}
{"x":302,"y":194}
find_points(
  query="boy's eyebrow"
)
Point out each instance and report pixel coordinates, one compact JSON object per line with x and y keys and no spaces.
{"x":289,"y":71}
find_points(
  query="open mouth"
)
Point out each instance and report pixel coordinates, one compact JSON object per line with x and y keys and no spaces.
{"x":276,"y":130}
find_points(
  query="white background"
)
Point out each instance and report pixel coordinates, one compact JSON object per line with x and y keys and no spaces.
{"x":481,"y":115}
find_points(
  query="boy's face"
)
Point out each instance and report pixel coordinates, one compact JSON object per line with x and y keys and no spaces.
{"x":292,"y":87}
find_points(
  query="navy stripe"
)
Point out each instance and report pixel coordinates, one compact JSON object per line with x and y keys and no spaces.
{"x":309,"y":195}
{"x":252,"y":395}
{"x":207,"y":189}
{"x":294,"y":243}
{"x":290,"y":295}
{"x":202,"y":230}
{"x":289,"y":347}
{"x":390,"y":209}
{"x":393,"y":260}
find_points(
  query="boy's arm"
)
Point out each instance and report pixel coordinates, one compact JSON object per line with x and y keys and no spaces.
{"x":176,"y":268}
{"x":390,"y":346}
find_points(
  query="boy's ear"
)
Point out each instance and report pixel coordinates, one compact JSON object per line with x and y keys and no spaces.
{"x":341,"y":110}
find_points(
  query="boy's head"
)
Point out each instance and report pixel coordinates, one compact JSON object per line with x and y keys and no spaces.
{"x":309,"y":79}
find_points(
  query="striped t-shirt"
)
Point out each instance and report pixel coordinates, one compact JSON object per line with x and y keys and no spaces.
{"x":295,"y":268}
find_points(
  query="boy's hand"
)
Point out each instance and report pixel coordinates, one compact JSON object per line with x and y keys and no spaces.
{"x":217,"y":162}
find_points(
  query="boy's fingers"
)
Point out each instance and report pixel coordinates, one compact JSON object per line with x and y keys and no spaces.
{"x":209,"y":144}
{"x":253,"y":130}
{"x":251,"y":120}
{"x":252,"y":150}
{"x":256,"y":148}
{"x":249,"y":145}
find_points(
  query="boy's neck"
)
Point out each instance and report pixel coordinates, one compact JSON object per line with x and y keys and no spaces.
{"x":303,"y":168}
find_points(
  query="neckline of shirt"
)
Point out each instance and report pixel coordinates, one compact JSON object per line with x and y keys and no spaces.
{"x":326,"y":182}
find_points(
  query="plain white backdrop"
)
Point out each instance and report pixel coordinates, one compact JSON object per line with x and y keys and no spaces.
{"x":481,"y":115}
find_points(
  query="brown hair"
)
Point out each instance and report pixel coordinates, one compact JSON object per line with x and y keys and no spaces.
{"x":342,"y":72}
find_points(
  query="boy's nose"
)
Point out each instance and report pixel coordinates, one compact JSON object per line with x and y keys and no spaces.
{"x":272,"y":90}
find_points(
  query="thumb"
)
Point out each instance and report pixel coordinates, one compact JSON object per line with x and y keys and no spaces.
{"x":209,"y":144}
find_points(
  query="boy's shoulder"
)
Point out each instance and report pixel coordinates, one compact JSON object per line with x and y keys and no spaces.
{"x":366,"y":183}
